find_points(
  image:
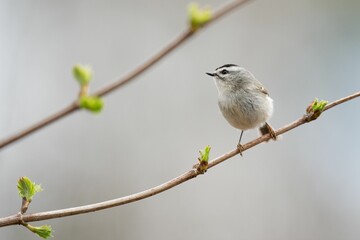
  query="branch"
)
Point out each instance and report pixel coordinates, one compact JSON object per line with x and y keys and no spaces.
{"x":125,"y":79}
{"x":19,"y":219}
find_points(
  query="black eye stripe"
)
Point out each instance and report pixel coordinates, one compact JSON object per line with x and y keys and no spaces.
{"x":224,"y":71}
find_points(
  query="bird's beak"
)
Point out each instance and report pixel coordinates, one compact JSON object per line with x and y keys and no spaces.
{"x":210,"y":74}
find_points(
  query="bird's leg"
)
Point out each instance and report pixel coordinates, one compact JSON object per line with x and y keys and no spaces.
{"x":267,"y":129}
{"x":239,"y":146}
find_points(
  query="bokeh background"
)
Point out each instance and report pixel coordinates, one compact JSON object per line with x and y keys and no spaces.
{"x":305,"y":186}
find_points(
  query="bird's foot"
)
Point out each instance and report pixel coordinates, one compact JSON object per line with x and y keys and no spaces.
{"x":240,"y":148}
{"x":271,"y":132}
{"x":267,"y":129}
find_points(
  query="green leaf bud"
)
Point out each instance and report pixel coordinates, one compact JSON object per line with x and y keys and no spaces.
{"x":82,"y":74}
{"x":91,"y":103}
{"x":204,"y":154}
{"x":27,"y":188}
{"x":44,"y":231}
{"x":198,"y":17}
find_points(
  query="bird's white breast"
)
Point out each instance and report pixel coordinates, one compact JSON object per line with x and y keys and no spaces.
{"x":245,"y":112}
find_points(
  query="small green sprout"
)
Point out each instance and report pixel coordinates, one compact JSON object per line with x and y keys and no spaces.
{"x":82,"y":74}
{"x":91,"y":103}
{"x":198,"y":17}
{"x":315,"y":109}
{"x":27,"y":188}
{"x":319,"y":105}
{"x":203,"y":160}
{"x":44,"y":231}
{"x":204,"y":154}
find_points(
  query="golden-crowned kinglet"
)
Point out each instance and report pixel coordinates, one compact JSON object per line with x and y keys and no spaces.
{"x":243,"y":100}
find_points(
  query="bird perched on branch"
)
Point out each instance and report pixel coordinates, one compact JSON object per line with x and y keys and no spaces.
{"x":243,"y":100}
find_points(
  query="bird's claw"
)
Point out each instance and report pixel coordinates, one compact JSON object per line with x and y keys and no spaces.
{"x":240,"y":148}
{"x":271,"y":132}
{"x":267,"y":129}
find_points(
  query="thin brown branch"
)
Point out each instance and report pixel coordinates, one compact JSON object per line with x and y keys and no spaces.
{"x":18,"y":218}
{"x":43,"y":123}
{"x":342,"y":100}
{"x":120,"y":82}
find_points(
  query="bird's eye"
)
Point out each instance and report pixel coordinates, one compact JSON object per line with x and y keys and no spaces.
{"x":224,"y":71}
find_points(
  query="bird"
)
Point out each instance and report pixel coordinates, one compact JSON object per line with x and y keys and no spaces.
{"x":243,"y":100}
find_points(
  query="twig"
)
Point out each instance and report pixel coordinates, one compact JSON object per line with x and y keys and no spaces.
{"x":15,"y":219}
{"x":125,"y":79}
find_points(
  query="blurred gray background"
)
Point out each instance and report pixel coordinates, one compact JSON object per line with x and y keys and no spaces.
{"x":305,"y":186}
